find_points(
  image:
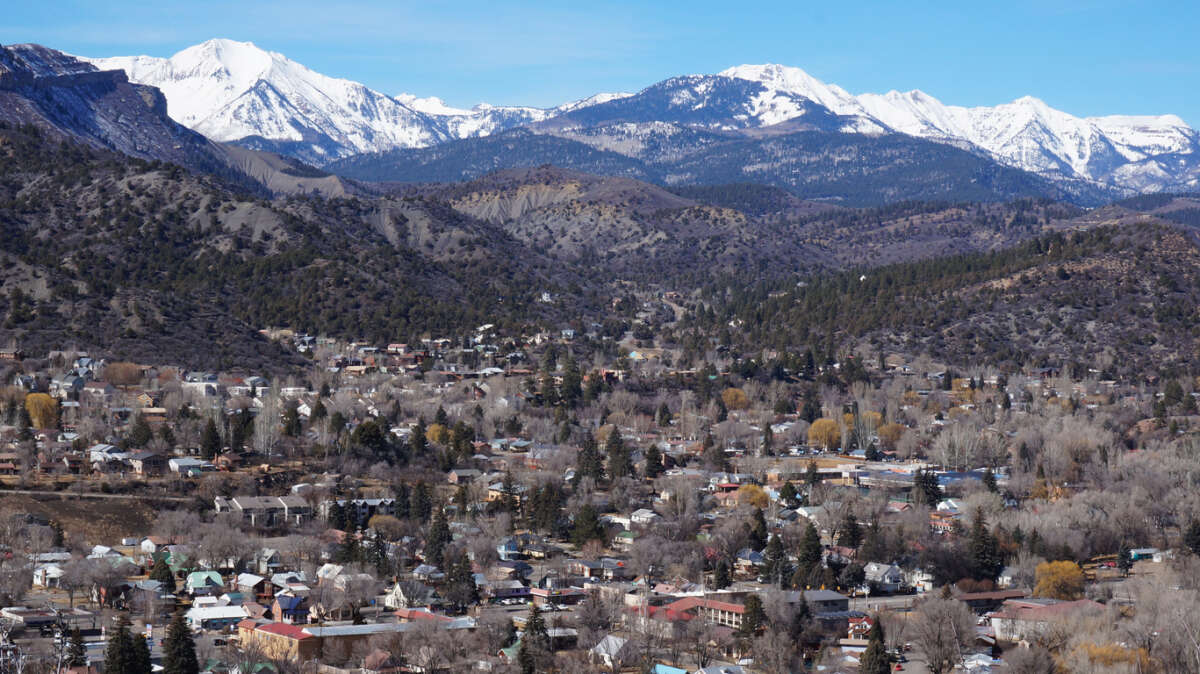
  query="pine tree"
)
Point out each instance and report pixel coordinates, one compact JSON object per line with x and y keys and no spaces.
{"x":758,"y":530}
{"x":141,"y":654}
{"x":654,"y":463}
{"x":179,"y":649}
{"x":437,"y":540}
{"x":776,"y":568}
{"x":874,"y":659}
{"x":989,"y":481}
{"x":811,"y":476}
{"x":619,"y":461}
{"x":754,"y":618}
{"x":119,"y":655}
{"x":768,"y":441}
{"x":536,"y":635}
{"x":422,"y":502}
{"x":210,"y":441}
{"x":76,"y":651}
{"x":587,"y":526}
{"x":1124,"y":559}
{"x":788,"y":495}
{"x":140,"y":432}
{"x":162,"y":573}
{"x":811,"y":551}
{"x":851,"y":533}
{"x":986,"y":562}
{"x":589,"y":463}
{"x":417,"y":440}
{"x":722,"y":577}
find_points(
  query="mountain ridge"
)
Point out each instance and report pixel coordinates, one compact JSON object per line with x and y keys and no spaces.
{"x":320,"y":119}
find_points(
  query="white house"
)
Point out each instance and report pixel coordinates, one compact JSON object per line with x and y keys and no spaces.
{"x":887,"y":577}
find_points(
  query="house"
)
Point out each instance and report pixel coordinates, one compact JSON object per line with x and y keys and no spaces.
{"x":148,"y":463}
{"x":290,"y":609}
{"x":644,"y":517}
{"x":102,"y":453}
{"x":613,"y":652}
{"x":251,"y":585}
{"x":215,"y":617}
{"x":887,"y":578}
{"x":204,"y":583}
{"x":184,"y":465}
{"x":409,"y":594}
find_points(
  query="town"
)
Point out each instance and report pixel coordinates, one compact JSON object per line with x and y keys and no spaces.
{"x":570,"y":501}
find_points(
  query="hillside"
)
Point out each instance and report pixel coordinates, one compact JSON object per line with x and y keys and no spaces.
{"x":1121,"y":296}
{"x":148,"y":261}
{"x":845,"y":169}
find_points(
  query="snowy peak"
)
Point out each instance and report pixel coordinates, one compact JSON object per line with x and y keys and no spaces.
{"x":1026,"y":133}
{"x":239,"y":92}
{"x":796,"y":81}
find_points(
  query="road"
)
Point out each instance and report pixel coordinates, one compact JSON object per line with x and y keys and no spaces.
{"x":73,"y":495}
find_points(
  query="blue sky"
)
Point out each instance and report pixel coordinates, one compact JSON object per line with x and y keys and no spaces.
{"x":1087,"y":57}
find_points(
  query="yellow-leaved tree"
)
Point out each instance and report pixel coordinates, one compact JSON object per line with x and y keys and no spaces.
{"x":43,"y":410}
{"x":825,"y":433}
{"x":1059,"y":580}
{"x":734,"y":399}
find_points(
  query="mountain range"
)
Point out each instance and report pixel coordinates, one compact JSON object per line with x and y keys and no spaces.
{"x":236,"y":92}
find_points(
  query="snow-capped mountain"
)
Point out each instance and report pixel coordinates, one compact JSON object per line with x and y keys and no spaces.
{"x":236,"y":92}
{"x":1025,"y":133}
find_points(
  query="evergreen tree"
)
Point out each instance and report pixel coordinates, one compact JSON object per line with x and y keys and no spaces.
{"x":421,"y":502}
{"x":460,"y":582}
{"x":210,"y":441}
{"x":440,"y":417}
{"x":336,"y":516}
{"x":1124,"y":559}
{"x":620,"y":463}
{"x":776,"y":568}
{"x":535,"y":634}
{"x":587,"y":526}
{"x":811,"y":476}
{"x":788,"y":495}
{"x":510,"y":500}
{"x":119,"y":653}
{"x":437,"y":540}
{"x":851,"y":534}
{"x":179,"y":649}
{"x":161,"y":572}
{"x":654,"y":462}
{"x":141,"y":654}
{"x":76,"y":652}
{"x":140,"y":432}
{"x":754,"y":618}
{"x":722,"y":576}
{"x":874,"y":659}
{"x":989,"y":481}
{"x":714,"y":455}
{"x":811,"y":551}
{"x":417,"y":441}
{"x":986,"y":561}
{"x":572,"y":384}
{"x":588,"y":463}
{"x":758,"y":530}
{"x":768,"y":441}
{"x":926,"y":490}
{"x":664,"y":415}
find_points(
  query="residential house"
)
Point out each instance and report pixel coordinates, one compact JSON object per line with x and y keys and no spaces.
{"x":886,"y":578}
{"x":204,"y":583}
